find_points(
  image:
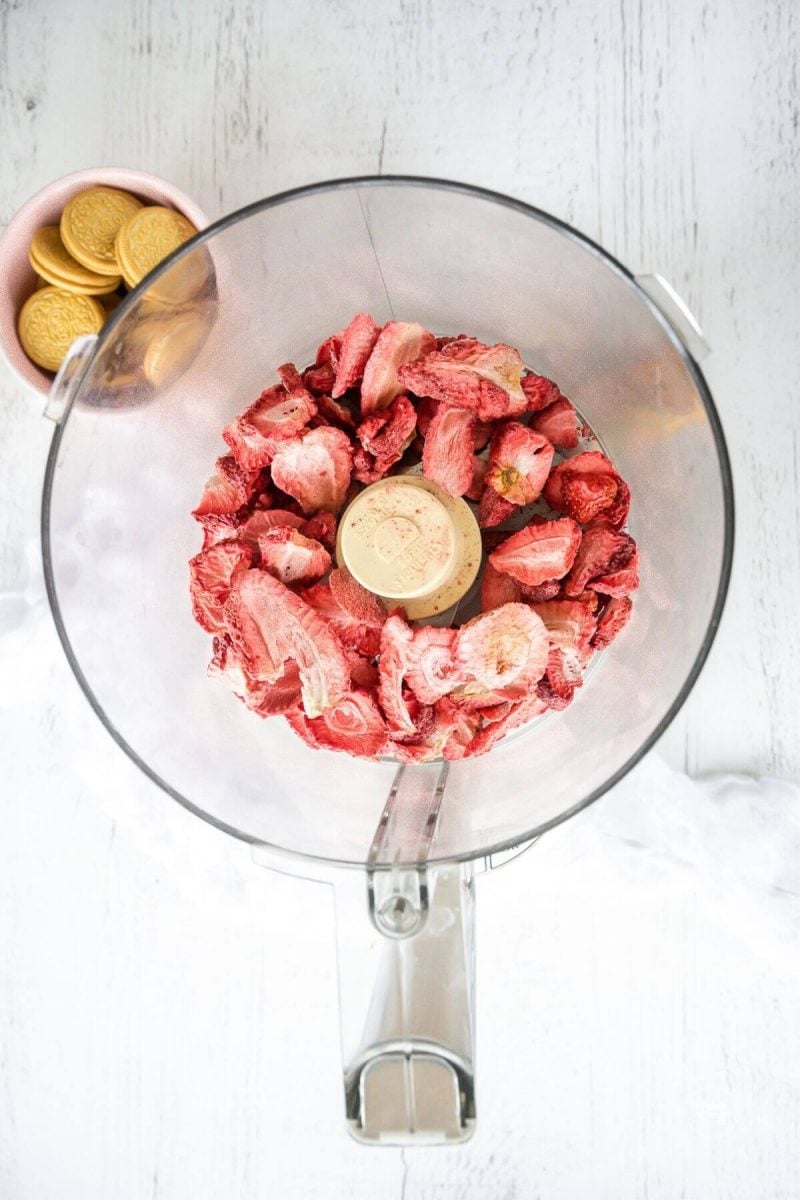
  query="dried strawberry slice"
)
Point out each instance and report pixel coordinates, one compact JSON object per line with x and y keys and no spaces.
{"x":590,"y":599}
{"x":328,"y":351}
{"x":426,"y":411}
{"x":617,"y":513}
{"x":386,"y":435}
{"x":433,"y":671}
{"x":587,"y":495}
{"x":591,"y":463}
{"x":320,"y":380}
{"x":542,"y":592}
{"x":478,"y":481}
{"x":539,"y":553}
{"x":211,"y":573}
{"x":363,"y":671}
{"x":395,"y":659}
{"x":365,"y":467}
{"x":619,"y":581}
{"x":498,"y":589}
{"x":354,"y":724}
{"x":267,"y":699}
{"x":517,"y":715}
{"x":277,"y":415}
{"x":602,"y":551}
{"x":334,"y":412}
{"x":481,"y":434}
{"x":468,"y":374}
{"x":570,"y":628}
{"x":613,"y":619}
{"x":228,"y":491}
{"x":321,"y":526}
{"x":263,"y":519}
{"x":558,"y":423}
{"x":540,"y":392}
{"x":355,"y":599}
{"x":290,"y":377}
{"x":269,"y":624}
{"x":315,"y":469}
{"x":399,"y":342}
{"x":557,"y":688}
{"x":461,"y":725}
{"x":500,"y":647}
{"x":357,"y":343}
{"x":519,"y":463}
{"x":447,"y":456}
{"x":493,"y":509}
{"x":356,"y":621}
{"x":291,"y":557}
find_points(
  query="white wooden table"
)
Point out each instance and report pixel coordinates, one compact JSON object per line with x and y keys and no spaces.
{"x":167,"y":1011}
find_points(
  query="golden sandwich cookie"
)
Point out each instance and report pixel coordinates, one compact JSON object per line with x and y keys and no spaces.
{"x":149,"y":237}
{"x":90,"y":224}
{"x":50,"y":321}
{"x":50,"y":258}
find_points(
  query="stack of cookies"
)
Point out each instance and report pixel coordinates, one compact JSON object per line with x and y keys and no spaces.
{"x":106,"y":242}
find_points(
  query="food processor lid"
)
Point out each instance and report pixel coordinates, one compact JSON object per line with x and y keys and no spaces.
{"x":129,"y":455}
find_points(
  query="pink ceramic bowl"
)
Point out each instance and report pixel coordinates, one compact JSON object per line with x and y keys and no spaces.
{"x":17,"y":278}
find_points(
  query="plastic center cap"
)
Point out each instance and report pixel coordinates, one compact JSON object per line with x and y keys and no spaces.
{"x":393,"y":536}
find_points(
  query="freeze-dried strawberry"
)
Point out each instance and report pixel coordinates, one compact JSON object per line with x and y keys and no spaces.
{"x":447,"y":457}
{"x":493,"y":509}
{"x":602,"y":551}
{"x":519,"y":463}
{"x":291,"y":557}
{"x":461,"y":726}
{"x":558,"y":423}
{"x":481,"y":434}
{"x":518,"y":714}
{"x":267,"y":699}
{"x":395,"y":658}
{"x":498,"y":589}
{"x":269,"y":624}
{"x":328,"y":351}
{"x":540,"y":392}
{"x":320,"y":379}
{"x":321,"y":526}
{"x":617,"y":513}
{"x":363,"y":671}
{"x":620,"y":580}
{"x":290,"y":377}
{"x":426,"y":411}
{"x":387,"y":434}
{"x":613,"y":619}
{"x":538,"y":553}
{"x":570,"y":628}
{"x":354,"y":725}
{"x":211,"y":573}
{"x":502,"y":646}
{"x":557,"y":687}
{"x":433,"y":671}
{"x":587,"y":495}
{"x":353,"y":633}
{"x":399,"y":342}
{"x":356,"y":600}
{"x":475,"y":489}
{"x":315,"y":469}
{"x":335,"y":412}
{"x":541,"y":592}
{"x":591,"y":463}
{"x":357,"y":342}
{"x":266,"y":518}
{"x":590,"y":599}
{"x":277,"y":415}
{"x":365,"y":467}
{"x":227,"y":492}
{"x":468,"y":374}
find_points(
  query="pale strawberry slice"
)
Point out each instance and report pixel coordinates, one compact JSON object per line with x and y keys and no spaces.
{"x":502,"y":647}
{"x":291,"y":557}
{"x":227,"y":492}
{"x":354,"y":725}
{"x":357,"y":342}
{"x":267,"y":518}
{"x":602,"y":552}
{"x":519,"y":463}
{"x":315,"y":469}
{"x":267,"y":699}
{"x":395,"y":659}
{"x":558,"y":423}
{"x":494,"y":509}
{"x":498,"y":589}
{"x":353,"y":633}
{"x":540,"y":392}
{"x":478,"y":481}
{"x":517,"y":715}
{"x":356,"y":600}
{"x":277,"y":415}
{"x":613,"y":619}
{"x":211,"y":573}
{"x":587,"y":486}
{"x":468,"y":374}
{"x":386,"y":435}
{"x":321,"y":526}
{"x":269,"y":624}
{"x":539,"y":553}
{"x":433,"y":671}
{"x":619,"y":581}
{"x":447,"y":457}
{"x":399,"y":342}
{"x":570,"y":628}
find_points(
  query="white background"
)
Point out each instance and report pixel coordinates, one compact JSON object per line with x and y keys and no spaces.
{"x":167,"y":1010}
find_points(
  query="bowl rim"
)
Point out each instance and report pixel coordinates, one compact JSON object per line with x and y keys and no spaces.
{"x":505,"y":845}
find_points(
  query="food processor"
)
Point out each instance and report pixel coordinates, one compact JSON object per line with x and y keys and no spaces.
{"x":400,"y":845}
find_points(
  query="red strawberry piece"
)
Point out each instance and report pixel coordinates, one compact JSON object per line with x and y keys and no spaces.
{"x":263,"y":519}
{"x":468,"y":374}
{"x":542,"y":592}
{"x":558,"y":423}
{"x":291,"y":557}
{"x":619,"y":581}
{"x":591,"y":462}
{"x":356,"y":600}
{"x":492,"y":538}
{"x":321,"y":526}
{"x":315,"y":469}
{"x":447,"y":457}
{"x":267,"y":699}
{"x":519,"y":463}
{"x":395,"y":659}
{"x":319,"y":380}
{"x":540,"y":392}
{"x":503,"y":646}
{"x":211,"y":573}
{"x":365,"y":467}
{"x":290,"y":378}
{"x":481,"y":434}
{"x":386,"y":435}
{"x":517,"y":715}
{"x":426,"y":411}
{"x":276,"y":416}
{"x":587,"y":495}
{"x":494,"y":509}
{"x":353,"y":633}
{"x":269,"y":624}
{"x":538,"y":553}
{"x":354,"y":725}
{"x":617,"y":513}
{"x":228,"y":491}
{"x":613,"y":619}
{"x":570,"y":628}
{"x":363,"y":671}
{"x":602,"y":551}
{"x":475,"y":489}
{"x":433,"y":671}
{"x":498,"y":589}
{"x":357,"y":342}
{"x":462,"y":726}
{"x":399,"y":342}
{"x":328,"y":351}
{"x":557,"y":688}
{"x":335,"y":412}
{"x":590,"y":599}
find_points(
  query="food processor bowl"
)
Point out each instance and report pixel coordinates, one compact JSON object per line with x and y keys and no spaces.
{"x":133,"y":446}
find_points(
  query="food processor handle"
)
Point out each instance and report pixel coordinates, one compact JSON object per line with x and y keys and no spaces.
{"x":65,"y":385}
{"x":407,"y":1000}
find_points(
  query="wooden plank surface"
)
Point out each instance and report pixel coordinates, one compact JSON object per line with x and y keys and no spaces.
{"x":159,"y":1033}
